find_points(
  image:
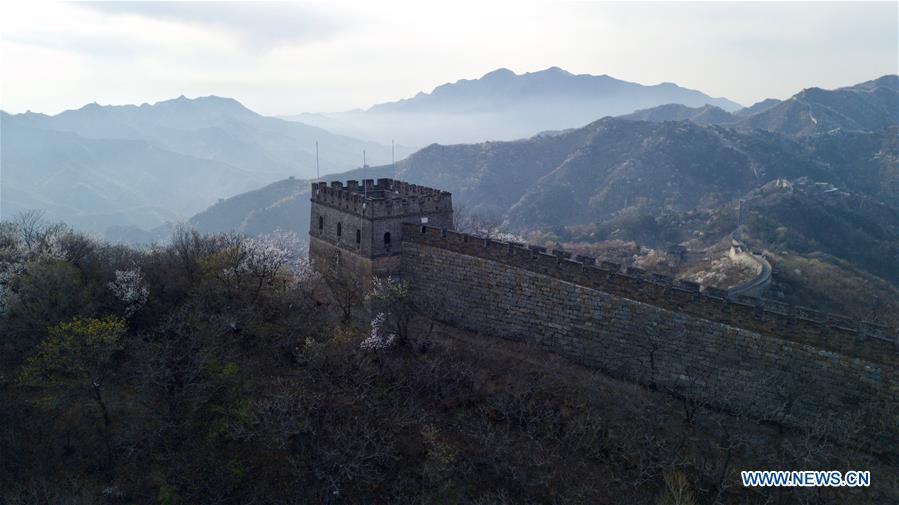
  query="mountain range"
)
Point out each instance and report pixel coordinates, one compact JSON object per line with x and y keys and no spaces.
{"x":868,"y":106}
{"x":654,"y":184}
{"x":659,"y":182}
{"x":101,"y":166}
{"x":503,"y":105}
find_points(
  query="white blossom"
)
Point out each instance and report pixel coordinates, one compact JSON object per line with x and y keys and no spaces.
{"x":266,"y":255}
{"x":8,"y":271}
{"x":377,"y":340}
{"x":503,"y":236}
{"x":128,"y":287}
{"x":388,"y":289}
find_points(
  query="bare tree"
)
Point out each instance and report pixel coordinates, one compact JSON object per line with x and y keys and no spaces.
{"x":343,"y":289}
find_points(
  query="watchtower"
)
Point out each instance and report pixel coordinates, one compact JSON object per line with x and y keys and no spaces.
{"x":359,"y":226}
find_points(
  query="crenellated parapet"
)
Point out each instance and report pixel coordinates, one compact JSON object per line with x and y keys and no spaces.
{"x":863,"y":339}
{"x":384,"y":198}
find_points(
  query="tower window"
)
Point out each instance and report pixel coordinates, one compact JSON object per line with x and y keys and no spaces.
{"x":358,"y":236}
{"x":339,"y":230}
{"x":321,"y":223}
{"x":387,"y":238}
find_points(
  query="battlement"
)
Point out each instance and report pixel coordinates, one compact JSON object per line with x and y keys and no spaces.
{"x":384,"y":198}
{"x":863,"y":339}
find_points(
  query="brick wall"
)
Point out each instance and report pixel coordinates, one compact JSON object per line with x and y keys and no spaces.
{"x":655,"y":331}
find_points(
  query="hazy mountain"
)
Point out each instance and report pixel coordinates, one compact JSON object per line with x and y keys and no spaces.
{"x":101,"y":166}
{"x":219,"y":129}
{"x":96,"y":183}
{"x":868,"y":106}
{"x":280,"y":205}
{"x":705,"y":115}
{"x":757,"y":107}
{"x":869,"y":162}
{"x":504,"y":88}
{"x":865,"y":107}
{"x":503,"y":105}
{"x":283,"y":204}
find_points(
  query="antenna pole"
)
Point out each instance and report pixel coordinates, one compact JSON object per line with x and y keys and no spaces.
{"x":317,"y":174}
{"x":393,"y":157}
{"x":364,"y":172}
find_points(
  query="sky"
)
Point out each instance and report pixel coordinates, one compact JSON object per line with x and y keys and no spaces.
{"x":288,"y":58}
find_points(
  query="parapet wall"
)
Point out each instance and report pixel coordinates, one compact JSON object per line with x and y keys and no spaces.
{"x":384,"y":199}
{"x":861,"y":339}
{"x":796,"y":367}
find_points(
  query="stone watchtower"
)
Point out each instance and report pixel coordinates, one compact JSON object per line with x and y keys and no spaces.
{"x":358,"y":227}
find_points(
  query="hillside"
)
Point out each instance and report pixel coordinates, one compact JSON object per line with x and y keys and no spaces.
{"x":757,"y":107}
{"x":143,"y":165}
{"x":502,"y":105}
{"x":806,"y":218}
{"x":705,"y":115}
{"x":283,"y":204}
{"x":868,"y":106}
{"x":592,"y":173}
{"x":97,"y":183}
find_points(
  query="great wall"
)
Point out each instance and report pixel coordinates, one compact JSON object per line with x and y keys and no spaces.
{"x":765,"y":358}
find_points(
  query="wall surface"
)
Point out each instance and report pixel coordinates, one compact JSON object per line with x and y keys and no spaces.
{"x":779,"y":366}
{"x":331,"y":259}
{"x":349,"y":224}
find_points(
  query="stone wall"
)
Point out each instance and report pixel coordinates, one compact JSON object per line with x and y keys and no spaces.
{"x":329,"y":217}
{"x":656,"y":331}
{"x":344,"y":261}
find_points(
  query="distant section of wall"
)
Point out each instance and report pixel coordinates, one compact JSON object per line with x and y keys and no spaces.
{"x":757,"y":285}
{"x":656,"y":331}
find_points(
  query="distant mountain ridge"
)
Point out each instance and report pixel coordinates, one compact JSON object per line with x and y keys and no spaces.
{"x":868,"y":106}
{"x":503,"y":105}
{"x":215,"y":128}
{"x":504,"y":88}
{"x":117,"y":166}
{"x":705,"y":115}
